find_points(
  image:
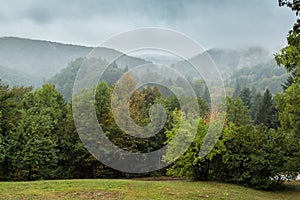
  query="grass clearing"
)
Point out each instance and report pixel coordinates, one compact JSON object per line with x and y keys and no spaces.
{"x":138,"y":189}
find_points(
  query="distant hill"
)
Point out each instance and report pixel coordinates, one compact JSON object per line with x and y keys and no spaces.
{"x":14,"y":77}
{"x":41,"y":60}
{"x":227,"y":60}
{"x":31,"y":62}
{"x":250,"y":67}
{"x":261,"y":76}
{"x":64,"y":80}
{"x":38,"y":58}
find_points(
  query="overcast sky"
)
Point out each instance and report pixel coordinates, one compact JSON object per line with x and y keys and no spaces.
{"x":212,"y":23}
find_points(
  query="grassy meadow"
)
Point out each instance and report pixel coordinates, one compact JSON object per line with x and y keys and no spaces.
{"x":139,"y":189}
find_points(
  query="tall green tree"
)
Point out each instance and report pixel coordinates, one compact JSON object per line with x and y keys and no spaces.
{"x":10,"y":98}
{"x":258,"y":156}
{"x":266,"y":113}
{"x":256,"y":98}
{"x":289,"y":110}
{"x":36,"y":139}
{"x":246,"y":97}
{"x":237,"y":112}
{"x":102,"y":103}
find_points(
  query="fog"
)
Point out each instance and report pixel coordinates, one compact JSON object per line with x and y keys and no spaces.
{"x":212,"y":23}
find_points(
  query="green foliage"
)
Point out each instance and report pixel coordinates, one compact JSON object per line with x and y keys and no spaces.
{"x":64,"y":80}
{"x":266,"y":113}
{"x":256,"y":99}
{"x":289,"y":55}
{"x":38,"y":138}
{"x":258,"y":156}
{"x":10,"y":99}
{"x":294,"y":5}
{"x":289,"y":110}
{"x":185,"y":165}
{"x":34,"y":151}
{"x":237,"y":112}
{"x":36,"y":158}
{"x":190,"y":164}
{"x":246,"y":97}
{"x":2,"y":148}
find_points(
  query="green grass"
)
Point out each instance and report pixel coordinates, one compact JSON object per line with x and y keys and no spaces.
{"x":136,"y":189}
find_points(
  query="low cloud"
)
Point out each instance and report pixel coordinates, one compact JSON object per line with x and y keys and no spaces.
{"x":214,"y":23}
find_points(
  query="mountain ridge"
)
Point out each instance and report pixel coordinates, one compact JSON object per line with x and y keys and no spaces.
{"x":44,"y":59}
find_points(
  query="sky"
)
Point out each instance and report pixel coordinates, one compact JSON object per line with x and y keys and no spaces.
{"x":212,"y":23}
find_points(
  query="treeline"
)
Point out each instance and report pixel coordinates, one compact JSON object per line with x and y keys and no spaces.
{"x":38,"y":139}
{"x":253,"y":148}
{"x":258,"y":146}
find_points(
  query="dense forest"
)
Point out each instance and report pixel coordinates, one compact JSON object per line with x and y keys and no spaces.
{"x":39,"y":139}
{"x":258,"y":145}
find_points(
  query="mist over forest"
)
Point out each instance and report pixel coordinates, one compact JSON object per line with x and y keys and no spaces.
{"x":70,"y":109}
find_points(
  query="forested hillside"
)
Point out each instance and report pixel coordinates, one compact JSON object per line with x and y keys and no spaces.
{"x":38,"y":58}
{"x":30,"y":62}
{"x":261,"y":76}
{"x":251,"y":136}
{"x":258,"y":145}
{"x":15,"y":77}
{"x":262,"y":73}
{"x":38,"y":139}
{"x":228,"y":61}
